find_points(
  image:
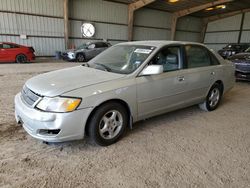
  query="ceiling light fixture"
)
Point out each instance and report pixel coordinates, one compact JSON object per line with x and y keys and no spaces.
{"x":210,"y":8}
{"x":216,"y":7}
{"x":173,"y":1}
{"x":221,"y":7}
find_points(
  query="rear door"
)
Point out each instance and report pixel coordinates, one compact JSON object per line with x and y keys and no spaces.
{"x":9,"y":52}
{"x":199,"y":73}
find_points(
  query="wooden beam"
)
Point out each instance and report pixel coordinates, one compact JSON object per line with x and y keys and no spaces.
{"x":66,"y":22}
{"x":203,"y":30}
{"x":241,"y":26}
{"x":188,"y":11}
{"x":131,"y":9}
{"x":191,"y":10}
{"x":226,"y":15}
{"x":173,"y":26}
{"x":139,"y":4}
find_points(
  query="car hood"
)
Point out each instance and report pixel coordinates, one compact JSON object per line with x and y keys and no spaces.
{"x":241,"y":57}
{"x":58,"y":82}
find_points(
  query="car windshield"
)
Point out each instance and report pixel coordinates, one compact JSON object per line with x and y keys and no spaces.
{"x":123,"y":59}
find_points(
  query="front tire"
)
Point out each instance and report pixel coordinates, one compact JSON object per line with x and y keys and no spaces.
{"x":213,"y":98}
{"x":21,"y":58}
{"x":80,"y":58}
{"x":108,"y":123}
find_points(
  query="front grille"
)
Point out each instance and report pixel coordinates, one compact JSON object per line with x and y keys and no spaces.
{"x":28,"y":96}
{"x":243,"y":67}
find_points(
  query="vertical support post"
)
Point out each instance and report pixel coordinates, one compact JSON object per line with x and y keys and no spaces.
{"x":241,"y":27}
{"x":203,"y":30}
{"x":130,"y":23}
{"x":66,"y":22}
{"x":173,"y":26}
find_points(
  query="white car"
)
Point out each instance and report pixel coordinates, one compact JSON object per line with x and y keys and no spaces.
{"x":126,"y":83}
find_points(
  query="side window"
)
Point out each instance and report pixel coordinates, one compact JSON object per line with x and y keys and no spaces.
{"x":1,"y":46}
{"x":197,"y":56}
{"x":104,"y":45}
{"x":101,"y":45}
{"x":169,"y":58}
{"x":98,"y":45}
{"x":6,"y":46}
{"x":91,"y":46}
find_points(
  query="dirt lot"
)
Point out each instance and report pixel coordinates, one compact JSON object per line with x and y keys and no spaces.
{"x":186,"y":148}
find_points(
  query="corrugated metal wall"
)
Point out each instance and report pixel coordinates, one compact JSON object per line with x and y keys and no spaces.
{"x":221,"y":32}
{"x":42,"y":22}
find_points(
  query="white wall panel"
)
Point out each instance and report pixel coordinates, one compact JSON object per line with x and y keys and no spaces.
{"x":246,"y":24}
{"x":189,"y":23}
{"x":98,"y":10}
{"x":153,"y":18}
{"x":30,"y":25}
{"x":245,"y":37}
{"x":141,"y":33}
{"x":226,"y":24}
{"x":42,"y":46}
{"x":222,"y":37}
{"x":187,"y":36}
{"x":103,"y":30}
{"x":45,"y":7}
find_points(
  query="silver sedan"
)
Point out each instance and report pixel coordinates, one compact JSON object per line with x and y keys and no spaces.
{"x":124,"y":84}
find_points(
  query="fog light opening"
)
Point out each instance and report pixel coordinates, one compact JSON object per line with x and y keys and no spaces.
{"x":49,"y":132}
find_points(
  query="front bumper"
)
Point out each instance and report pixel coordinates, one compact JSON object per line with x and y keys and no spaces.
{"x":67,"y":57}
{"x":40,"y":125}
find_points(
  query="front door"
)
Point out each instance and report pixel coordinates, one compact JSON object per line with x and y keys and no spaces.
{"x":157,"y":94}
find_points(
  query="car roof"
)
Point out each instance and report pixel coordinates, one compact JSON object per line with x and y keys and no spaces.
{"x":159,"y":43}
{"x":8,"y":43}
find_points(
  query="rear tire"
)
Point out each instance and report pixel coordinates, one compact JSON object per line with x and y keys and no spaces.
{"x":213,"y":98}
{"x":108,"y":124}
{"x":21,"y":58}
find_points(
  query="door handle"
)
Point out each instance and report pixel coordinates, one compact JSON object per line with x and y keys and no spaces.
{"x":212,"y":73}
{"x":181,"y":78}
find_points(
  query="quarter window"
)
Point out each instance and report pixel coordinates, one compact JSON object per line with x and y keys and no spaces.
{"x":197,"y":56}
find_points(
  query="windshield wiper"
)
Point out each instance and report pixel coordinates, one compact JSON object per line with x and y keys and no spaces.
{"x":104,"y":66}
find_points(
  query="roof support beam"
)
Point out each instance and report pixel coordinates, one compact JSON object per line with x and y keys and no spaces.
{"x":66,"y":22}
{"x":203,"y":30}
{"x":226,"y":15}
{"x":191,"y":10}
{"x":131,"y":9}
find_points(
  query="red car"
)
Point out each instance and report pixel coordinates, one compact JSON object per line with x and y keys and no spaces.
{"x":11,"y":52}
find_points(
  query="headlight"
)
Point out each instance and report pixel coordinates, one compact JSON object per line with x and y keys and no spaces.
{"x":58,"y":104}
{"x":71,"y":54}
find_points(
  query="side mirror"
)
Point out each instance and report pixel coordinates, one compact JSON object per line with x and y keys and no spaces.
{"x":152,"y":70}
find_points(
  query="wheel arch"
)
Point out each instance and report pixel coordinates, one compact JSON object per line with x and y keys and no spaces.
{"x":20,"y":54}
{"x":125,"y":104}
{"x":221,"y":84}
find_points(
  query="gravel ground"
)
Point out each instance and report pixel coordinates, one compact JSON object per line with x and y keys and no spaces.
{"x":185,"y":148}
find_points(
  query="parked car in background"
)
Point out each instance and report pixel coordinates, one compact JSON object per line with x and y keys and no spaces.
{"x":232,"y":49}
{"x":242,"y":65}
{"x":11,"y":52}
{"x":85,"y":51}
{"x":126,"y":83}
